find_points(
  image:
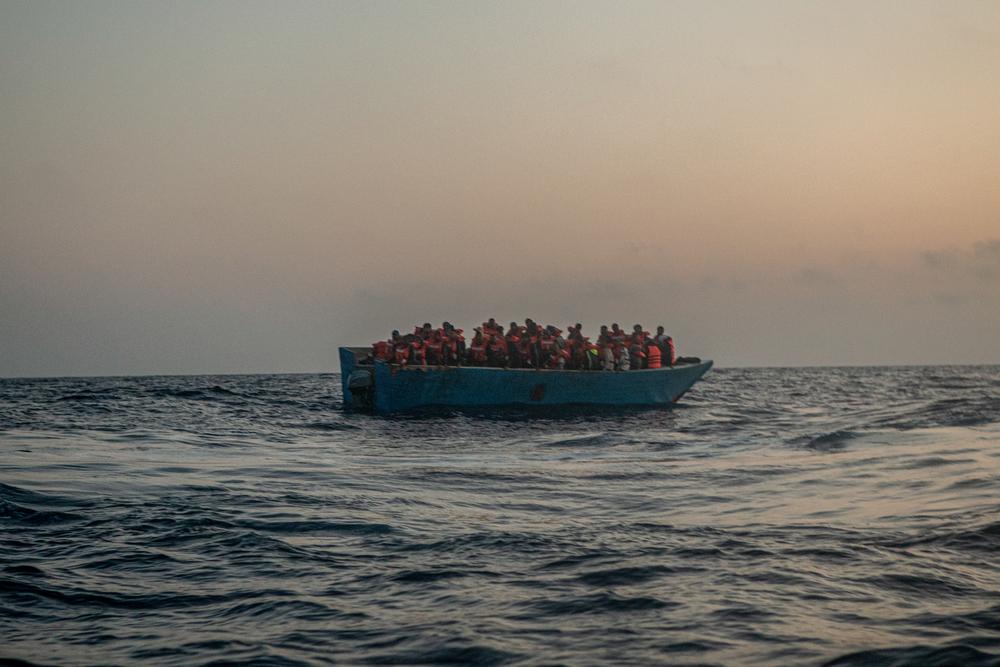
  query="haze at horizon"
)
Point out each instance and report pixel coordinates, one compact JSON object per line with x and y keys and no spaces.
{"x":241,"y":187}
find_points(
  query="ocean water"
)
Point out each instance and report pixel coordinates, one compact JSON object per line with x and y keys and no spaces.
{"x":846,"y":516}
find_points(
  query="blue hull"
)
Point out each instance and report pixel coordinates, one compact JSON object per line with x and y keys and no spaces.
{"x":391,"y":389}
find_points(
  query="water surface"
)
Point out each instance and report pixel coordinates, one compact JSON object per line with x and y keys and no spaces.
{"x":782,"y":516}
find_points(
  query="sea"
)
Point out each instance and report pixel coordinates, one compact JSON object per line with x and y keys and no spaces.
{"x":775,"y":516}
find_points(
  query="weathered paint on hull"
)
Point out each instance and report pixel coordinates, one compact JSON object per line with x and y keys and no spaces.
{"x":398,"y":390}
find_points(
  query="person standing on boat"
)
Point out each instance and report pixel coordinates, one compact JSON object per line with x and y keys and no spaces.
{"x":513,"y":337}
{"x":667,"y":349}
{"x":624,"y":361}
{"x":608,"y":355}
{"x":531,"y":348}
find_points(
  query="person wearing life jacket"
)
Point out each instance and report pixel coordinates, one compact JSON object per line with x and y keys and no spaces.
{"x":454,"y":347}
{"x":556,"y":357}
{"x":434,"y":348}
{"x":477,"y":348}
{"x":490,"y":327}
{"x":639,"y":337}
{"x":418,"y":352}
{"x":591,"y":358}
{"x":496,"y":350}
{"x":668,"y":354}
{"x":637,"y":357}
{"x":382,"y":350}
{"x":423,"y":332}
{"x":623,"y":360}
{"x":401,"y":350}
{"x":531,"y":350}
{"x":513,"y":338}
{"x":652,"y":356}
{"x":608,"y":356}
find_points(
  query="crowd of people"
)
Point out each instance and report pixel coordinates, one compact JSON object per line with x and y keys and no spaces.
{"x":530,"y":345}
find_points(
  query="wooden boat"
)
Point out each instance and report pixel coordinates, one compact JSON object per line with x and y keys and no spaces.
{"x":386,"y":388}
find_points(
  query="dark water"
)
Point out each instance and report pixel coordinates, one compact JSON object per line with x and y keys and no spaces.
{"x":776,"y":516}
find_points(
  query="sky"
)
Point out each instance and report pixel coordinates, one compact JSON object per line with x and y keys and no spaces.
{"x":240,"y":187}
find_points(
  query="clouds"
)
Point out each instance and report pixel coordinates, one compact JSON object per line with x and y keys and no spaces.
{"x":980,"y":261}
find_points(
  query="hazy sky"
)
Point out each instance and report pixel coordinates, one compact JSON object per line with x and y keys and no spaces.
{"x":242,"y":186}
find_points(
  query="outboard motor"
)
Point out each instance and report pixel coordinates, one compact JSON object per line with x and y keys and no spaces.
{"x":361,"y":384}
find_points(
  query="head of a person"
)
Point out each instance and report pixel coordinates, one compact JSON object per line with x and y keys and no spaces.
{"x":513,"y":325}
{"x":615,"y":327}
{"x":395,"y":334}
{"x":637,"y":328}
{"x":659,"y":330}
{"x":604,"y":328}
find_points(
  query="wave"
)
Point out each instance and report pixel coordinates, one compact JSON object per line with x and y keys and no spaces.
{"x":960,"y":411}
{"x":446,"y":655}
{"x":212,"y":392}
{"x":828,"y":442}
{"x":927,"y":656}
{"x":984,"y":538}
{"x":596,"y":604}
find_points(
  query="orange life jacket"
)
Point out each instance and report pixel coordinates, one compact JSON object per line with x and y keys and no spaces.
{"x":653,"y":356}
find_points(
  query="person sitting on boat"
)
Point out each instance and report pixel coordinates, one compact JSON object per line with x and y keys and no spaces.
{"x":496,"y":350}
{"x":434,"y":347}
{"x":545,"y":342}
{"x":401,"y":349}
{"x":490,"y":327}
{"x":477,"y":348}
{"x":418,"y":352}
{"x":556,"y":357}
{"x":454,"y":348}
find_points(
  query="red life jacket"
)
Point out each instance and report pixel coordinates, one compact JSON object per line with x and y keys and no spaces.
{"x":417,"y":353}
{"x":381,"y":351}
{"x":402,"y":354}
{"x":435,"y":345}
